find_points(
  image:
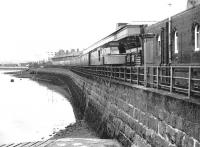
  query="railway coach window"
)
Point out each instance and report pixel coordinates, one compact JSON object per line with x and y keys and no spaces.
{"x":197,"y":37}
{"x":176,"y":42}
{"x":159,"y":45}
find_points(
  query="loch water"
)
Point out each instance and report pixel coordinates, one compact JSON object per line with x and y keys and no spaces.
{"x":30,"y":111}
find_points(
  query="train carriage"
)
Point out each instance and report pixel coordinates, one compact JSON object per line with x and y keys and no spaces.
{"x":168,"y":51}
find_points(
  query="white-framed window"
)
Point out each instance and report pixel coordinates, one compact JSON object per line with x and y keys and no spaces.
{"x":197,"y":37}
{"x":176,"y":42}
{"x":159,"y":44}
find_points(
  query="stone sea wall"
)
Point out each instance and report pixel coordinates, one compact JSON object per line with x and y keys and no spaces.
{"x":137,"y":116}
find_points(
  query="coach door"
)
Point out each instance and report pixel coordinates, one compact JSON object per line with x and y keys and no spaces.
{"x":148,"y":51}
{"x":164,"y":46}
{"x":148,"y":58}
{"x":89,"y":58}
{"x":164,"y":55}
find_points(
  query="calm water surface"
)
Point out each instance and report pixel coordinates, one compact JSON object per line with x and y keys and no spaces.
{"x":29,"y":111}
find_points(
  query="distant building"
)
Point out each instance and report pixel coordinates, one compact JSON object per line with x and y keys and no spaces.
{"x":26,"y":64}
{"x":66,"y":52}
{"x":66,"y":58}
{"x":50,"y":55}
{"x":61,"y":52}
{"x":66,"y":55}
{"x":10,"y":64}
{"x":72,"y":50}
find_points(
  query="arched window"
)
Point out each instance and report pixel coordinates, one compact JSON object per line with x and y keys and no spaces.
{"x":159,"y":45}
{"x":197,"y":37}
{"x":176,"y":42}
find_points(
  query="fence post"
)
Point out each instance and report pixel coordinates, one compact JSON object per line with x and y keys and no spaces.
{"x":171,"y":79}
{"x":137,"y":75}
{"x":90,"y":69}
{"x":104,"y":71}
{"x":97,"y":74}
{"x":125,"y":73}
{"x":145,"y":76}
{"x":189,"y":81}
{"x":111,"y":72}
{"x":131,"y":76}
{"x":157,"y":68}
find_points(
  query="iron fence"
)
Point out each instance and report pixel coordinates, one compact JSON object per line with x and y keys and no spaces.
{"x":175,"y":79}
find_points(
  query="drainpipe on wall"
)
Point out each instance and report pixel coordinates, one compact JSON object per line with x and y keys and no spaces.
{"x":169,"y":36}
{"x":169,"y":41}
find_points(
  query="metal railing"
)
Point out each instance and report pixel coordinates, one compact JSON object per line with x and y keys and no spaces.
{"x":175,"y":79}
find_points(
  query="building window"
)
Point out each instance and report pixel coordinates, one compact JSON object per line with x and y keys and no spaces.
{"x":159,"y":45}
{"x":176,"y":42}
{"x":197,"y":37}
{"x":99,"y":55}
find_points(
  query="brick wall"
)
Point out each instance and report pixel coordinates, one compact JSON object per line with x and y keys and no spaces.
{"x":183,"y":23}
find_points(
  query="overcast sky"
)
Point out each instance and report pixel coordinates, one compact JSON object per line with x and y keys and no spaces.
{"x":31,"y":28}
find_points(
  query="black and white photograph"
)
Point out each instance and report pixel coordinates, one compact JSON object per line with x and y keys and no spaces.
{"x":100,"y":73}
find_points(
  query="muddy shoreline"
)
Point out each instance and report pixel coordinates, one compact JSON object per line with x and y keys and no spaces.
{"x":80,"y":129}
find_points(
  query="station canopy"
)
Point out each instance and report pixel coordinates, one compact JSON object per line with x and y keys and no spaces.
{"x":114,"y":38}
